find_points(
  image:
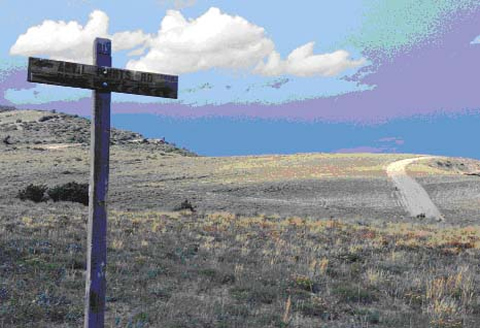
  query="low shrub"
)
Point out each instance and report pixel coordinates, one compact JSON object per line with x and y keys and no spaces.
{"x":47,"y":118}
{"x":71,"y":192}
{"x":33,"y":192}
{"x":185,"y":205}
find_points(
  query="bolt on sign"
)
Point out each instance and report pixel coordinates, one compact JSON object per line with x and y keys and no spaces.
{"x":103,"y":80}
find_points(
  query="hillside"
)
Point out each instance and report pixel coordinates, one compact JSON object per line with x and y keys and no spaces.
{"x":302,"y":240}
{"x":32,"y":127}
{"x":52,"y":148}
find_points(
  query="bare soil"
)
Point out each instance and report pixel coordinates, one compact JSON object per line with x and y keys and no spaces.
{"x":412,"y":195}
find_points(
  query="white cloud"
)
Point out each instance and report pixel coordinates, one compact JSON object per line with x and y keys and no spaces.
{"x":476,"y":41}
{"x":213,"y":40}
{"x":63,"y":41}
{"x":129,"y":40}
{"x":72,"y":41}
{"x":302,"y":62}
{"x":137,"y":52}
{"x":218,"y":40}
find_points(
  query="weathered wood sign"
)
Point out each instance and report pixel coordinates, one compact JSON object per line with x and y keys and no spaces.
{"x":103,"y":80}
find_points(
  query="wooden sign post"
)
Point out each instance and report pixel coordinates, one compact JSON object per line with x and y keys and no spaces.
{"x":103,"y":80}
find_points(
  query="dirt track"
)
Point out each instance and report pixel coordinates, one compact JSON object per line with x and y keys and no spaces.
{"x":412,"y":195}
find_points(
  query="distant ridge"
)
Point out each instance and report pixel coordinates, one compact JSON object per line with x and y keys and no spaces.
{"x":5,"y":108}
{"x":24,"y":127}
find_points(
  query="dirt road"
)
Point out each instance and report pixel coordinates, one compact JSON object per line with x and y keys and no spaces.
{"x":412,"y":195}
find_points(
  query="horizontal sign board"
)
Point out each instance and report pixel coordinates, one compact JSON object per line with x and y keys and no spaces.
{"x":103,"y":79}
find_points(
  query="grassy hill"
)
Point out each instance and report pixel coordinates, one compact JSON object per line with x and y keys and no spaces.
{"x":304,"y":240}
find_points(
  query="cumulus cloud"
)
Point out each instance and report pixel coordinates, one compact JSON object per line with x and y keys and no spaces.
{"x":61,"y":40}
{"x":71,"y":41}
{"x":213,"y":40}
{"x":219,"y":40}
{"x":303,"y":62}
{"x":129,"y":40}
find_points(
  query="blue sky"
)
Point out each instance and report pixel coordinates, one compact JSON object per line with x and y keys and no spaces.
{"x":225,"y":85}
{"x":371,"y":63}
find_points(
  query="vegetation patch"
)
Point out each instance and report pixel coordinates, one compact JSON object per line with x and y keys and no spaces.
{"x":71,"y":192}
{"x":35,"y":193}
{"x":184,"y":269}
{"x":352,"y":293}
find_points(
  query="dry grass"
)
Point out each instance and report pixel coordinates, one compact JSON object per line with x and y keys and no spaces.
{"x":221,"y":269}
{"x":24,"y":115}
{"x":352,"y":186}
{"x":224,"y":270}
{"x":303,"y":166}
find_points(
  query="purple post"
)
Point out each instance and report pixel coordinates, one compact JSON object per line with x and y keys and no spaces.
{"x":103,"y":80}
{"x":97,"y":219}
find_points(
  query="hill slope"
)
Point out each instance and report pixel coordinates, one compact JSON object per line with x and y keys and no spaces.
{"x":303,"y":240}
{"x":27,"y":127}
{"x":51,"y":148}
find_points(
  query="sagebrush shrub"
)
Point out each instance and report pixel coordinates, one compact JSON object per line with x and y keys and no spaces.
{"x":185,"y":205}
{"x":33,"y":192}
{"x":71,"y":192}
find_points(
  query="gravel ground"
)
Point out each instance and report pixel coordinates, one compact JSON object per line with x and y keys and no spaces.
{"x":457,"y":197}
{"x":354,"y":198}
